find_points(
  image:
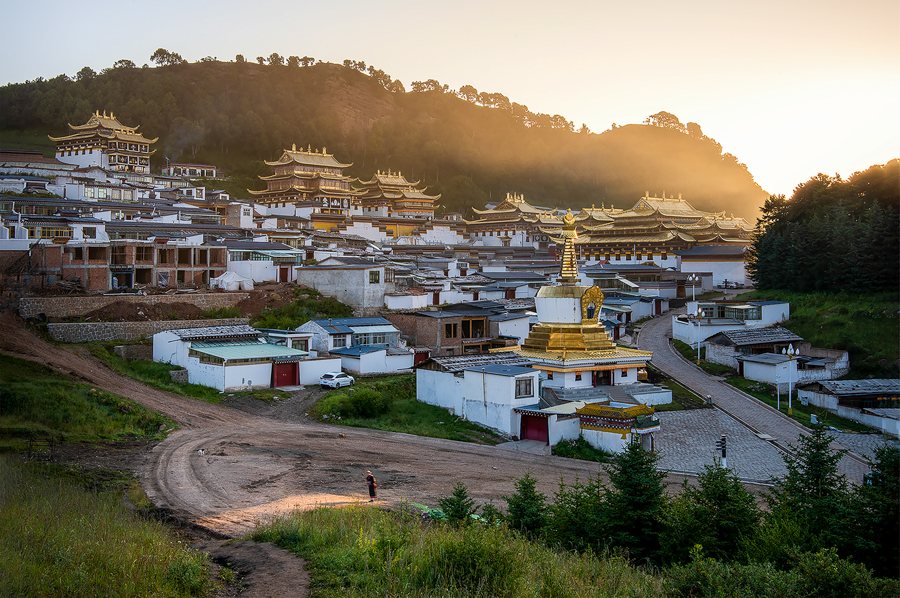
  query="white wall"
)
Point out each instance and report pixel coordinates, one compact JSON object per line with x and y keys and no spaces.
{"x":439,"y":388}
{"x":312,"y":369}
{"x":406,"y":302}
{"x":396,"y":363}
{"x":560,"y":430}
{"x":830,"y":402}
{"x":613,"y":442}
{"x":169,"y":348}
{"x":766,"y":372}
{"x":517,"y":328}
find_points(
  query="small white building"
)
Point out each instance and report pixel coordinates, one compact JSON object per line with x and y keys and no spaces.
{"x":236,"y":358}
{"x":721,"y":316}
{"x":263,"y":261}
{"x":366,"y":359}
{"x":329,"y":334}
{"x":361,"y":286}
{"x":874,"y":403}
{"x":510,"y":325}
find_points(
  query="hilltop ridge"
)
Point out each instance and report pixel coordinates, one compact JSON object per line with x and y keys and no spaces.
{"x":238,"y":114}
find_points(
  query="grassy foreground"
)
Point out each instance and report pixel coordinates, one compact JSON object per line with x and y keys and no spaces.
{"x":364,"y":552}
{"x":36,"y":402}
{"x":389,"y":403}
{"x":57,"y":539}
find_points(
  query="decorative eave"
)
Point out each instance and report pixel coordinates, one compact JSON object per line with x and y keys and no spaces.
{"x":309,"y":157}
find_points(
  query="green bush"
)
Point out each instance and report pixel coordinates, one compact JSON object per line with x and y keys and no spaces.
{"x":220,"y":313}
{"x":458,"y":507}
{"x":579,"y":448}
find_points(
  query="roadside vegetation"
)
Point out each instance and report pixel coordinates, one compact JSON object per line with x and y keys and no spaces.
{"x":37,"y":403}
{"x":157,"y":375}
{"x":389,"y":403}
{"x":579,"y":448}
{"x":818,"y":536}
{"x":866,"y":325}
{"x":802,"y":413}
{"x":59,"y":539}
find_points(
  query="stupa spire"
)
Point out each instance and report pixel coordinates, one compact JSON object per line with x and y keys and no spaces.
{"x":568,"y":267}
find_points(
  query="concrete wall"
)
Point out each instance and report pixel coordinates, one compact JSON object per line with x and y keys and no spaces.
{"x":67,"y":307}
{"x":129,"y":352}
{"x":312,"y":369}
{"x":614,"y":443}
{"x":560,"y":429}
{"x":84,"y":332}
{"x":830,"y":402}
{"x":348,"y":285}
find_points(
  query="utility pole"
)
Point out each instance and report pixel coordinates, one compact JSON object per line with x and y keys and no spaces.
{"x":720,"y":446}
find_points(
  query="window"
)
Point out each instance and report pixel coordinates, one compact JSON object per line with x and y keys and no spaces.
{"x":549,"y":375}
{"x":374,"y":277}
{"x":577,"y":376}
{"x":89,"y":232}
{"x":449,"y":330}
{"x":624,"y":372}
{"x":523,"y":388}
{"x":340,"y":340}
{"x":143,"y":254}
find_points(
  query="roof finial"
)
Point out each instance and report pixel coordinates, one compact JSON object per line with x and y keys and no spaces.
{"x":308,"y":148}
{"x":324,"y":151}
{"x":293,"y":147}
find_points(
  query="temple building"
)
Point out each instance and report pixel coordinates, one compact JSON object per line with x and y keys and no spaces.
{"x":513,"y":223}
{"x":302,"y":176}
{"x":389,"y":194}
{"x":105,"y":142}
{"x":653,"y":228}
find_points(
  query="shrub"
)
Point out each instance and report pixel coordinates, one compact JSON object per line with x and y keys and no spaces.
{"x":579,"y":448}
{"x":458,"y":507}
{"x":526,"y":508}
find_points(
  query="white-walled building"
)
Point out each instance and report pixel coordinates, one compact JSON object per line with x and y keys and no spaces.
{"x":235,"y":358}
{"x":361,"y":286}
{"x":722,"y":316}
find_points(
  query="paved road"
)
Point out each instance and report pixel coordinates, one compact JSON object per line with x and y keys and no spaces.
{"x":753,"y":458}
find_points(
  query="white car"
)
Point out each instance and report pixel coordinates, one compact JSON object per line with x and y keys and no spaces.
{"x":336,"y":380}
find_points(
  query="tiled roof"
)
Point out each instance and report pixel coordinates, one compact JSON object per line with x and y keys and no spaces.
{"x":753,"y":336}
{"x":861,"y":387}
{"x":212,"y":332}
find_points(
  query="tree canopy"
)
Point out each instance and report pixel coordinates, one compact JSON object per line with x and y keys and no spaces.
{"x":248,"y":111}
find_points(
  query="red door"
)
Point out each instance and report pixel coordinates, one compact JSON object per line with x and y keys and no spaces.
{"x":284,"y":374}
{"x":535,"y":428}
{"x":283,"y":275}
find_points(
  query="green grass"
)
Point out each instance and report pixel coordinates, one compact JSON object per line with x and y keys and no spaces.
{"x":221,"y":313}
{"x":36,"y":402}
{"x":58,"y":539}
{"x":867,"y":326}
{"x":157,"y":375}
{"x":767,"y":394}
{"x":396,"y":410}
{"x":360,"y":551}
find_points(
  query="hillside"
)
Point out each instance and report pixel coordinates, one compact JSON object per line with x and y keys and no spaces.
{"x":237,"y":114}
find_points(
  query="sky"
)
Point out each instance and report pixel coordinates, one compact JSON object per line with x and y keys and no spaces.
{"x":792,"y":88}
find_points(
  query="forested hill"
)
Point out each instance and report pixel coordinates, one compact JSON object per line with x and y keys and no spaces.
{"x":470,"y":146}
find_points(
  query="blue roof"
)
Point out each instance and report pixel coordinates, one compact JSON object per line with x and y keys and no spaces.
{"x":357,"y":350}
{"x":502,"y":370}
{"x":372,"y":321}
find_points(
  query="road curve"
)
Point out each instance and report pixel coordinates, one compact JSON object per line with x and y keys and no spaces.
{"x":655,"y":335}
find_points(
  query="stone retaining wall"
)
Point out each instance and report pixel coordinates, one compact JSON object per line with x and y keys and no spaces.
{"x":128,"y":331}
{"x":128,"y":352}
{"x":68,"y":307}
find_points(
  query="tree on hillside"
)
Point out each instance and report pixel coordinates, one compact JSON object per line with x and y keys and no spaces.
{"x":526,"y":508}
{"x":85,"y":74}
{"x":240,"y":59}
{"x":275,"y":59}
{"x":124,"y":63}
{"x":293,"y":61}
{"x":468,"y":93}
{"x":163,"y":57}
{"x":878,"y":516}
{"x":633,"y":507}
{"x":666,"y":120}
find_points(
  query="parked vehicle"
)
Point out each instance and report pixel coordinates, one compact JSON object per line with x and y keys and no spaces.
{"x":336,"y":380}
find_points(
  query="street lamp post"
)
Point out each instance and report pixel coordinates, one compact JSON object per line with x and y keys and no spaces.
{"x":791,"y":353}
{"x":699,"y":314}
{"x":693,"y":279}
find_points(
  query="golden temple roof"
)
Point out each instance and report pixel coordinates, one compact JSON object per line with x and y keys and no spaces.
{"x":105,"y":126}
{"x":309,"y":157}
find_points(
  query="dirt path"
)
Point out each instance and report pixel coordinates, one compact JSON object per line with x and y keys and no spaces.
{"x":227,"y":470}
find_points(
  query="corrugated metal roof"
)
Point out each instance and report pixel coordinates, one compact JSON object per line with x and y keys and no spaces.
{"x":249,"y":351}
{"x":357,"y":350}
{"x":374,"y":329}
{"x":502,"y":370}
{"x":861,"y":387}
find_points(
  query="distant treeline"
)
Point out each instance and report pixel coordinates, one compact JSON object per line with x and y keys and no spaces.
{"x":471,"y":146}
{"x":832,"y":235}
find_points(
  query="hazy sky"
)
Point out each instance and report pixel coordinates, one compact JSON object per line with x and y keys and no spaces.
{"x":790,"y":87}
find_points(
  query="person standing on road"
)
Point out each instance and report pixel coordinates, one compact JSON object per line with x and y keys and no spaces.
{"x":370,"y":480}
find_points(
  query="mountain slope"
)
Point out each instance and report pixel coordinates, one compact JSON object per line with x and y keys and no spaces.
{"x":236,"y":115}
